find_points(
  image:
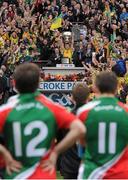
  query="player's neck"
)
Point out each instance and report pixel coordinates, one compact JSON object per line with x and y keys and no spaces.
{"x":107,"y":95}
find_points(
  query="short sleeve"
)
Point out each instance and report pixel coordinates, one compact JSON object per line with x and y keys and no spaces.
{"x":63,"y":117}
{"x":2,"y":120}
{"x":4,"y":112}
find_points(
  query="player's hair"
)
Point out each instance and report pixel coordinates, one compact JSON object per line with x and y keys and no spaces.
{"x":26,"y":78}
{"x":106,"y":82}
{"x":80,"y":93}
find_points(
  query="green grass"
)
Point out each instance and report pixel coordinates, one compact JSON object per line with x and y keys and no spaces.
{"x":59,"y":176}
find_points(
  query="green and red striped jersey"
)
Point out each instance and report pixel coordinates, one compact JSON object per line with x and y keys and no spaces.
{"x":106,"y":155}
{"x":29,"y":124}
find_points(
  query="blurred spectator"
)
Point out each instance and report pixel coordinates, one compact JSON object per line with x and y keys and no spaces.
{"x":79,"y":55}
{"x":55,"y":57}
{"x":119,"y":67}
{"x":28,"y":23}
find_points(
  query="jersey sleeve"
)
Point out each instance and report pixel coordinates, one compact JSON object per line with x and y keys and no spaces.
{"x":3,"y":115}
{"x":62,"y":116}
{"x":83,"y":115}
{"x":83,"y":112}
{"x":6,"y":109}
{"x":124,"y":106}
{"x":4,"y":112}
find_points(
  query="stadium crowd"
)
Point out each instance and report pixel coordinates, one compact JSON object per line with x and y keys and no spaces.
{"x":99,"y":35}
{"x":26,"y":33}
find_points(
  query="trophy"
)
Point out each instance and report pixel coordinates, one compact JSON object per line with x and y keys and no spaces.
{"x":67,"y":37}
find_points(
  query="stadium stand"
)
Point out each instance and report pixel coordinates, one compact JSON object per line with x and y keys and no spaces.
{"x":79,"y":33}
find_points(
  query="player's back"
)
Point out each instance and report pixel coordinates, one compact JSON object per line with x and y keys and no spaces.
{"x":29,"y":128}
{"x":107,"y":137}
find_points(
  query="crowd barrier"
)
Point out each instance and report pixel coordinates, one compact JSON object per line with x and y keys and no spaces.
{"x":63,"y":70}
{"x":59,"y":91}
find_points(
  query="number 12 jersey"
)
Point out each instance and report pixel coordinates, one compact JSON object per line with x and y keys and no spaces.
{"x":29,"y":124}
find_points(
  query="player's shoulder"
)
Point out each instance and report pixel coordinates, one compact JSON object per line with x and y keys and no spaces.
{"x":58,"y":111}
{"x":13,"y":98}
{"x":88,"y":107}
{"x":48,"y":102}
{"x":11,"y":103}
{"x":123,"y":106}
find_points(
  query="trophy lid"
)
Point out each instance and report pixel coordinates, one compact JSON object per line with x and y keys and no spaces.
{"x":67,"y":33}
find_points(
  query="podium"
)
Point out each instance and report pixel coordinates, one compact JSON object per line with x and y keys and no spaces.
{"x":58,"y":91}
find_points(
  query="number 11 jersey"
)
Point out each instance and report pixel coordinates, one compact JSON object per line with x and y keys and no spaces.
{"x":106,"y":155}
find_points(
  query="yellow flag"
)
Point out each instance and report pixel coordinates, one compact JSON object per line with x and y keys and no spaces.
{"x":57,"y":23}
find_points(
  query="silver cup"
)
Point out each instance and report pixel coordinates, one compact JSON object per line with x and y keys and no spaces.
{"x":67,"y":37}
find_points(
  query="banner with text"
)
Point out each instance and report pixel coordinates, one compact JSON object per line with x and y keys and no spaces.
{"x":57,"y":86}
{"x":61,"y":98}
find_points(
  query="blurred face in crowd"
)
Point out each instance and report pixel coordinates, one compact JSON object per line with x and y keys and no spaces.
{"x":1,"y":30}
{"x":81,"y":37}
{"x":106,"y":40}
{"x":124,"y":10}
{"x":89,"y":46}
{"x":3,"y":68}
{"x":45,"y":42}
{"x":26,"y":29}
{"x":56,"y":51}
{"x":14,"y":23}
{"x":27,"y":8}
{"x":1,"y":73}
{"x":63,"y":9}
{"x":87,"y":2}
{"x":48,"y":2}
{"x":73,"y":3}
{"x":96,"y":2}
{"x":49,"y":7}
{"x":56,"y":44}
{"x":31,"y":41}
{"x":124,"y":43}
{"x":70,"y":13}
{"x":93,"y":32}
{"x":81,"y":45}
{"x":50,"y":17}
{"x":67,"y":46}
{"x":54,"y":3}
{"x":5,"y":4}
{"x":8,"y":42}
{"x":5,"y":12}
{"x":14,"y":35}
{"x":49,"y":25}
{"x":78,"y":6}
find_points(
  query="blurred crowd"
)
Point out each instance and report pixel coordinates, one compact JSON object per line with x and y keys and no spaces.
{"x":26,"y":34}
{"x":99,"y":34}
